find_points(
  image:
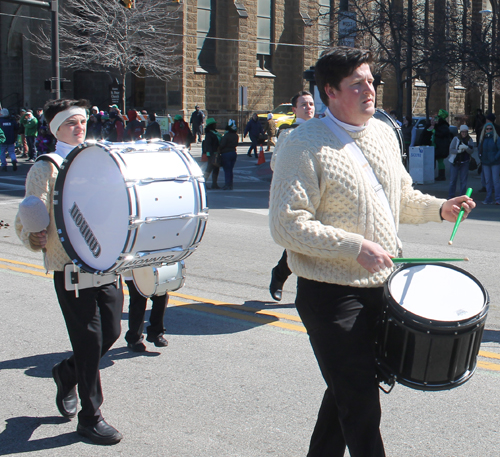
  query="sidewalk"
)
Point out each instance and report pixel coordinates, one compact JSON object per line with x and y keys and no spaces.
{"x":264,"y":173}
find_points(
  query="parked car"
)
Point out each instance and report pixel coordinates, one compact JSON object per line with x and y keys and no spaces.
{"x":282,"y":114}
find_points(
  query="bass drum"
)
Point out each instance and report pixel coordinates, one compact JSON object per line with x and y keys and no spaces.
{"x":432,"y":326}
{"x":381,"y":115}
{"x":120,"y":206}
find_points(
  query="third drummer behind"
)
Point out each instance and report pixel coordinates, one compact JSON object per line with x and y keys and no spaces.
{"x":340,"y":238}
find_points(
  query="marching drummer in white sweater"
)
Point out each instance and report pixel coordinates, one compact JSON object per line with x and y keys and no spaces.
{"x":340,"y":232}
{"x":93,"y":319}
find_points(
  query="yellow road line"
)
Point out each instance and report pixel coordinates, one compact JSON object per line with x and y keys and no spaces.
{"x":24,"y":270}
{"x":488,"y":365}
{"x":15,"y":262}
{"x":489,"y":355}
{"x":201,"y":305}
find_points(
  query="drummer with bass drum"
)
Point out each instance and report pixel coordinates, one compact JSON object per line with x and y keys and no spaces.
{"x":93,"y":316}
{"x":337,"y":198}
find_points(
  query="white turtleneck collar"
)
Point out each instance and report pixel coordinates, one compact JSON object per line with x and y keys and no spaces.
{"x":348,"y":127}
{"x":63,"y":149}
{"x":299,"y":120}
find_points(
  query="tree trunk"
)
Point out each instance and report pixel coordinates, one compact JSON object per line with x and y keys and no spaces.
{"x":124,"y":92}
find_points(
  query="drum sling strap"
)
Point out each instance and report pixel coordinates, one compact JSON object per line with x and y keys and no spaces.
{"x":74,"y":278}
{"x":353,"y":149}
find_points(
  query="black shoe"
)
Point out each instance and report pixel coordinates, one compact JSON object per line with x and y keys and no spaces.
{"x":66,"y":401}
{"x":249,"y":154}
{"x":276,"y":287}
{"x":215,"y":186}
{"x":138,"y":346}
{"x":483,"y":189}
{"x":100,"y":433}
{"x":14,"y":166}
{"x":159,"y":341}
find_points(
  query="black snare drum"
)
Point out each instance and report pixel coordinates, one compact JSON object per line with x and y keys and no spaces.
{"x":432,"y":326}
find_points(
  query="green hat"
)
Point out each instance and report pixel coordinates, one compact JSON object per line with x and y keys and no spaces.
{"x":210,"y":121}
{"x":443,"y":114}
{"x":178,"y":117}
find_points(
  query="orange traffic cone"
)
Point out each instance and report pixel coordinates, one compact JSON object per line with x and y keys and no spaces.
{"x":262,"y":157}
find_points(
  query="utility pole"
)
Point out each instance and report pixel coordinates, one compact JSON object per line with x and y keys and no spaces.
{"x":409,"y":63}
{"x":53,"y":6}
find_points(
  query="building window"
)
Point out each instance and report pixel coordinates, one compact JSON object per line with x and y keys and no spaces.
{"x":205,"y":47}
{"x":264,"y":34}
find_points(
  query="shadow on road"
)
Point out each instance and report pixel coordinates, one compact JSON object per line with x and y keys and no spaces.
{"x":15,"y":439}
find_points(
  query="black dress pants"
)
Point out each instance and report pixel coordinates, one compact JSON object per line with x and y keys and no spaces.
{"x":341,"y":321}
{"x":93,"y":322}
{"x":281,"y":271}
{"x":137,"y":310}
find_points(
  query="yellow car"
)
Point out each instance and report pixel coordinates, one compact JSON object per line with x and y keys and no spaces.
{"x":282,"y":114}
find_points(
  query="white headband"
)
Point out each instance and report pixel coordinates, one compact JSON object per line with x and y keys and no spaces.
{"x":60,"y":117}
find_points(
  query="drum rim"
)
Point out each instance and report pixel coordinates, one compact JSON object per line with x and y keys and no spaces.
{"x":58,"y":207}
{"x":437,"y":326}
{"x":396,"y":128}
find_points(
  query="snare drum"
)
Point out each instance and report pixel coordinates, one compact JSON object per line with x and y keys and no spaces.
{"x":121,"y":206}
{"x":159,"y":280}
{"x":432,"y":326}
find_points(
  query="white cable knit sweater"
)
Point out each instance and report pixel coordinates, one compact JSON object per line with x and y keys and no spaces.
{"x":322,"y":205}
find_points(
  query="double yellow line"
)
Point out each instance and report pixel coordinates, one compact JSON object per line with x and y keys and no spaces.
{"x":240,"y":312}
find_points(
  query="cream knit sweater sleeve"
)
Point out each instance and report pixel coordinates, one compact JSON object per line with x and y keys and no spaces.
{"x":40,"y":182}
{"x":322,"y":206}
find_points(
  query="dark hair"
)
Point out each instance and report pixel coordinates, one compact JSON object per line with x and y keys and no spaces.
{"x":294,"y":99}
{"x":152,"y":117}
{"x":211,"y":126}
{"x":338,"y":63}
{"x":52,"y":107}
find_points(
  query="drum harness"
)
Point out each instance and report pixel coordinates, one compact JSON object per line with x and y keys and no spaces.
{"x":353,"y":149}
{"x":74,"y":278}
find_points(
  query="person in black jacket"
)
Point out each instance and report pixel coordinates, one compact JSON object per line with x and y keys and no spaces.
{"x":442,"y":141}
{"x":153,"y":129}
{"x":210,"y":146}
{"x":228,"y":146}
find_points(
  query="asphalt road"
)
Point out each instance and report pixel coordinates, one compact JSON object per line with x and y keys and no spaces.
{"x":238,"y":378}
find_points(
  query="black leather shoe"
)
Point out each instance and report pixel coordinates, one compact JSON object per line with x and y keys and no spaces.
{"x":66,"y":402}
{"x":276,"y":288}
{"x":159,"y":341}
{"x":100,"y":433}
{"x":138,"y":346}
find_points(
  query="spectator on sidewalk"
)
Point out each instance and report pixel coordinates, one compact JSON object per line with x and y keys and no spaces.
{"x":10,"y":129}
{"x":153,"y":129}
{"x":228,"y":153}
{"x":30,"y":124}
{"x":196,"y":121}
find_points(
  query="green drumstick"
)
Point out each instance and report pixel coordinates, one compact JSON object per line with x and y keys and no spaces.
{"x":459,"y":218}
{"x":414,"y":260}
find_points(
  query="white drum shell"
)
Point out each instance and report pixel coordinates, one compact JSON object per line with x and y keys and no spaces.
{"x":139,"y":203}
{"x":159,"y":280}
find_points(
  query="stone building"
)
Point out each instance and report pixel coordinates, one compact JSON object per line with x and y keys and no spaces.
{"x":263,"y":46}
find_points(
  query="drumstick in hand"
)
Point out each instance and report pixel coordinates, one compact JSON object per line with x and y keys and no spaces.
{"x":459,"y":218}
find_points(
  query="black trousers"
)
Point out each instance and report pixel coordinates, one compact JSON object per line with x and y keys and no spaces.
{"x":137,"y":310}
{"x":281,"y":270}
{"x":341,"y":321}
{"x":93,"y":322}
